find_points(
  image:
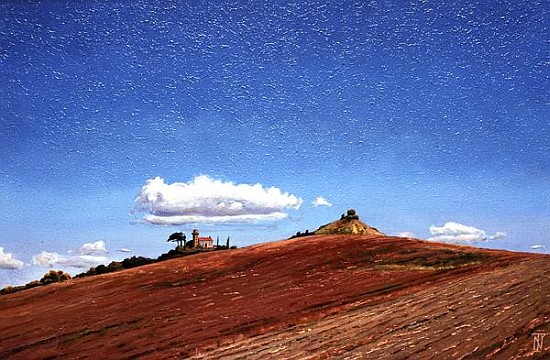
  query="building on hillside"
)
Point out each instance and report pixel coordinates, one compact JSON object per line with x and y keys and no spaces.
{"x":203,"y":242}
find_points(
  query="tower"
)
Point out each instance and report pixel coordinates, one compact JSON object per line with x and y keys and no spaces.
{"x":195,"y":234}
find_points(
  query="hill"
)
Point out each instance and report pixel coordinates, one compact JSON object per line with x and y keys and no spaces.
{"x":337,"y":296}
{"x":348,"y":224}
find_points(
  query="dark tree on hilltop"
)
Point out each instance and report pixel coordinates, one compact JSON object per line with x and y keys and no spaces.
{"x":352,"y":215}
{"x":179,"y":238}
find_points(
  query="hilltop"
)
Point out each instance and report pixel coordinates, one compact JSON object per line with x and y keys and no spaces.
{"x":348,"y":224}
{"x":339,"y":296}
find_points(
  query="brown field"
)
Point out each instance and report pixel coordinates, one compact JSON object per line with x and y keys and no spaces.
{"x":325,"y":296}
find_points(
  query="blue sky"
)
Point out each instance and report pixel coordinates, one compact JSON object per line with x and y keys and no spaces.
{"x":416,"y":113}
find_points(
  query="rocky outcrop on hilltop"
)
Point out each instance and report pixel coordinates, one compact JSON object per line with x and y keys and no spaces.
{"x":348,"y":224}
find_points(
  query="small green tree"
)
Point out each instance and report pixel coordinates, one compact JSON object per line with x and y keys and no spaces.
{"x":179,"y":238}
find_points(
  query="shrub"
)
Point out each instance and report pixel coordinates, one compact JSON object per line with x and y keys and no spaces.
{"x":54,"y":276}
{"x":136,"y":261}
{"x":114,"y":266}
{"x":8,"y":290}
{"x":302,"y":234}
{"x":90,"y":272}
{"x":101,"y":269}
{"x":32,"y":284}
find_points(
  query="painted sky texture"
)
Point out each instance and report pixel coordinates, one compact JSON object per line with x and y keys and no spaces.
{"x":124,"y":121}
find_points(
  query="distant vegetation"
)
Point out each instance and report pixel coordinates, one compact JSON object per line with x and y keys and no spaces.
{"x":54,"y":276}
{"x":128,"y":263}
{"x":136,"y":261}
{"x":302,"y":234}
{"x":50,"y":277}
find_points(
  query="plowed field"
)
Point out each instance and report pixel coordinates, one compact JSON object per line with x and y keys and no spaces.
{"x":326,"y":296}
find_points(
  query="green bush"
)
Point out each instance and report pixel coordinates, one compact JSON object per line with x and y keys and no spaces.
{"x":32,"y":284}
{"x":101,"y":269}
{"x":115,"y":266}
{"x":136,"y":261}
{"x":8,"y":290}
{"x":54,"y":276}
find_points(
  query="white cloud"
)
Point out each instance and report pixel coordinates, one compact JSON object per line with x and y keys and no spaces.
{"x":124,"y":250}
{"x":97,"y":247}
{"x":7,"y":261}
{"x":321,"y":201}
{"x":211,"y":201}
{"x":88,"y":255}
{"x":405,"y":234}
{"x":497,"y":235}
{"x":453,"y":232}
{"x":46,"y":259}
{"x":187,"y":219}
{"x":537,"y":246}
{"x":82,"y":261}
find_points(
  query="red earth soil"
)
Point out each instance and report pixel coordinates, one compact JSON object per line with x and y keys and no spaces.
{"x":324,"y":296}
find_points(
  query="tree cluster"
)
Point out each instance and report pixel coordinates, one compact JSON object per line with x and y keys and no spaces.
{"x":179,"y":238}
{"x":50,"y":277}
{"x":114,"y":266}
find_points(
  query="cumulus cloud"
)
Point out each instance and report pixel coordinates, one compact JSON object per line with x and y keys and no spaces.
{"x":453,"y":232}
{"x":7,"y":261}
{"x":88,"y":255}
{"x":321,"y":201}
{"x":51,"y":259}
{"x":97,"y":247}
{"x":187,"y":219}
{"x":207,"y":200}
{"x":46,"y":259}
{"x":497,"y":235}
{"x":83,"y":261}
